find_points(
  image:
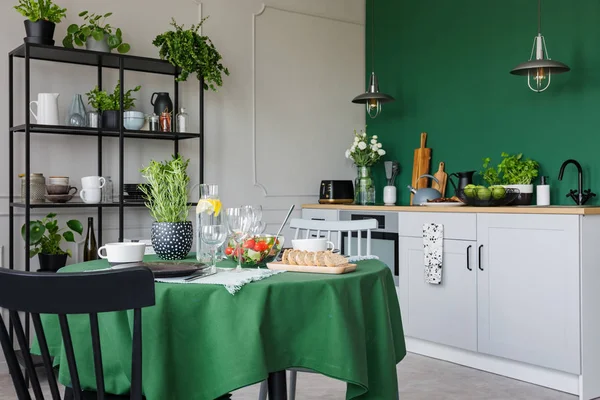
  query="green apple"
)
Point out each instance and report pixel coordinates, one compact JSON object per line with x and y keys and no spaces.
{"x":484,"y":193}
{"x":469,"y":190}
{"x":498,"y":192}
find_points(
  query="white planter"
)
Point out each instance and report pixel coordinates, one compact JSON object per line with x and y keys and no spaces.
{"x":525,"y":197}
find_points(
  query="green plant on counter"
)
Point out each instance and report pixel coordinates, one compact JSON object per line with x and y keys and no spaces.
{"x":45,"y":235}
{"x":95,"y":26}
{"x":186,"y":49}
{"x":512,"y":170}
{"x":167,"y":191}
{"x":41,"y":10}
{"x":101,"y":100}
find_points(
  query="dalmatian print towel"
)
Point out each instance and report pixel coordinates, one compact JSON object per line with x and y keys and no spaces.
{"x":433,"y":239}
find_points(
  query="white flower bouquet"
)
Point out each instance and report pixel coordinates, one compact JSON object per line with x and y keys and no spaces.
{"x":365,"y":150}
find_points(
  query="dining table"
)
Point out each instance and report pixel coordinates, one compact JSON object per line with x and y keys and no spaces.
{"x":201,"y":342}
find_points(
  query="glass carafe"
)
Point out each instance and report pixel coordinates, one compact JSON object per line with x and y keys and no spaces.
{"x":208,"y":212}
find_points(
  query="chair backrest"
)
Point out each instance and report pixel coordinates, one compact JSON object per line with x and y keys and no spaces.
{"x":71,"y":293}
{"x":305,"y":227}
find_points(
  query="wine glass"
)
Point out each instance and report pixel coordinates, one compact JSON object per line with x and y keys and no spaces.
{"x":258,"y":226}
{"x":239,"y":226}
{"x":213,"y":236}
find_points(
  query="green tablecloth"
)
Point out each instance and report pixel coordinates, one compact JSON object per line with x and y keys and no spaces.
{"x":200,"y":342}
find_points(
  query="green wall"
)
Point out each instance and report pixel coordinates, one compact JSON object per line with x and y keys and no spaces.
{"x":447,"y":64}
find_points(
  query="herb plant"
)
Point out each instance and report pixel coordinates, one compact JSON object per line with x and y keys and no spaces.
{"x":512,"y":170}
{"x":95,"y":26}
{"x":45,"y":235}
{"x":365,"y":150}
{"x":41,"y":10}
{"x":186,"y":49}
{"x":102,"y":101}
{"x":167,"y":191}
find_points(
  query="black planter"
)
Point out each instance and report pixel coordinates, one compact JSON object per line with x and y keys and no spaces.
{"x":52,"y":262}
{"x":111,"y":119}
{"x":172,"y":240}
{"x":40,"y":32}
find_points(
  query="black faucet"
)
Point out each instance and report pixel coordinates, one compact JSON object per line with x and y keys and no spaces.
{"x":580,"y":196}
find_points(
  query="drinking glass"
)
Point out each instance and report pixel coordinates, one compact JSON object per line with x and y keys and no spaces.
{"x":239,"y":226}
{"x":213,"y":236}
{"x":258,"y":226}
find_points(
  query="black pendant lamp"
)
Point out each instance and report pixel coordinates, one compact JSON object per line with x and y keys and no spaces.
{"x":373,"y":98}
{"x":539,"y":70}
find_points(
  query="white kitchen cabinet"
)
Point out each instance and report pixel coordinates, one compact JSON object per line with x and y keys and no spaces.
{"x":444,"y":313}
{"x":322,"y":215}
{"x":528,"y":289}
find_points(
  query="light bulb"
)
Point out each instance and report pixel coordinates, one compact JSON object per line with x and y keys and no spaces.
{"x":539,"y":79}
{"x":373,"y":107}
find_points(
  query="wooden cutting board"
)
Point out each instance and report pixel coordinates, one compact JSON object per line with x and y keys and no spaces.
{"x":342,"y":269}
{"x":441,"y":176}
{"x":421,"y":161}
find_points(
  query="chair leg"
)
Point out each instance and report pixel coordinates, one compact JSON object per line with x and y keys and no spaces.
{"x":292,"y":390}
{"x":262,"y":394}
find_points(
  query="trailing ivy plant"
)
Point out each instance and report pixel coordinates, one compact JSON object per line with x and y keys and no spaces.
{"x":512,"y":170}
{"x":41,"y":10}
{"x":167,"y":191}
{"x":45,"y":235}
{"x":101,"y":100}
{"x":95,"y":26}
{"x":186,"y":49}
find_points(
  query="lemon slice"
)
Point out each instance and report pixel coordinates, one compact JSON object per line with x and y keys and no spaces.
{"x":210,"y":206}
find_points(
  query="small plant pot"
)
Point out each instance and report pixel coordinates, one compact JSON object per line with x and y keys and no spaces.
{"x":525,"y":196}
{"x":98,"y":45}
{"x":40,"y":32}
{"x":111,"y":119}
{"x":172,"y":240}
{"x":52,"y":262}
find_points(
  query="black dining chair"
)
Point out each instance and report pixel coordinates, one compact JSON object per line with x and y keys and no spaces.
{"x":72,"y":293}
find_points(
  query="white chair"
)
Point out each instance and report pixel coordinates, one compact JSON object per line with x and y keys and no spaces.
{"x":308,"y":228}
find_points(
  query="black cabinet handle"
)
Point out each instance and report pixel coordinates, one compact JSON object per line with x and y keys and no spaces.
{"x":479,"y":261}
{"x":468,"y":258}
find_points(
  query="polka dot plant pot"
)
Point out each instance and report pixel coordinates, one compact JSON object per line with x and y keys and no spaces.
{"x":172,"y":240}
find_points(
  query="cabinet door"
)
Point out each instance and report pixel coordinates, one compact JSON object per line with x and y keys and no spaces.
{"x":528,"y":289}
{"x":444,"y":313}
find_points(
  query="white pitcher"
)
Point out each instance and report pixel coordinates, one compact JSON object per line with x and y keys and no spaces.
{"x":47,"y":109}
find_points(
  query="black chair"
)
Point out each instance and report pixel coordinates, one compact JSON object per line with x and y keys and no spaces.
{"x":78,"y":293}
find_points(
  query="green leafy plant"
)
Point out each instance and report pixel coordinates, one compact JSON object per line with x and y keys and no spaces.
{"x":101,"y":100}
{"x":45,"y":235}
{"x":186,"y":49}
{"x":167,"y":191}
{"x":41,"y":10}
{"x":512,"y":170}
{"x":95,"y":26}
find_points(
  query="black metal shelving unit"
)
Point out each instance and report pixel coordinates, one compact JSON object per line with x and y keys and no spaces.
{"x":100,"y":61}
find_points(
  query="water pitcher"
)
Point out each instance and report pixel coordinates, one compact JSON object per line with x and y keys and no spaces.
{"x":211,"y":216}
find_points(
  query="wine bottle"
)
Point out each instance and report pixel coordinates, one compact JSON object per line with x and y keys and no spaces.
{"x":90,"y":248}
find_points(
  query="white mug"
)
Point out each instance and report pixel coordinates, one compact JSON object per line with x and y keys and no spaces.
{"x":47,"y":109}
{"x":91,"y":196}
{"x":312,"y":244}
{"x":93,"y":182}
{"x":120,"y":253}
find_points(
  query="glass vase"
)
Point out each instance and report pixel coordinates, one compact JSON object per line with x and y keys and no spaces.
{"x":203,"y":253}
{"x":77,"y":115}
{"x":364,"y":187}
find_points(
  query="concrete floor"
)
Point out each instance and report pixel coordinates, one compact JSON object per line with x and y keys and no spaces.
{"x":420,"y":378}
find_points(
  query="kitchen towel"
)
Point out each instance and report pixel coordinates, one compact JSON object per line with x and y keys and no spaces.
{"x":433,"y":248}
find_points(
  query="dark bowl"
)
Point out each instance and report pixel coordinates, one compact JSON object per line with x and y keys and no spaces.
{"x":479,"y":198}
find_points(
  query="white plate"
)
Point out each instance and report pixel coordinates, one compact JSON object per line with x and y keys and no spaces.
{"x":448,"y":204}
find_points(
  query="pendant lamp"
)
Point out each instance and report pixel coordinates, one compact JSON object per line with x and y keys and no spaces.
{"x":373,"y":98}
{"x":539,"y":70}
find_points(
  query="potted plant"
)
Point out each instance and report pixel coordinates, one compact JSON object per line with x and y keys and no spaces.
{"x":44,"y":241}
{"x":42,"y":17}
{"x":96,"y":33}
{"x":109,"y":105}
{"x":365,"y":152}
{"x":167,"y":199}
{"x":186,"y":49}
{"x":513,"y":172}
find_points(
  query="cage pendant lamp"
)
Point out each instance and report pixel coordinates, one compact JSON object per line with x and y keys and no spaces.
{"x":540,"y":68}
{"x":372,"y":98}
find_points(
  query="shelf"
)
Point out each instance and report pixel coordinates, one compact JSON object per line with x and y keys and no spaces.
{"x":94,"y":58}
{"x":77,"y":203}
{"x":83,"y":131}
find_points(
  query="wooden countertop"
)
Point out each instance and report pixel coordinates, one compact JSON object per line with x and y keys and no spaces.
{"x":567,"y":210}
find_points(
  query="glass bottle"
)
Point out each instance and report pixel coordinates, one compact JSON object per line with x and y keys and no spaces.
{"x":90,"y":247}
{"x":77,"y":115}
{"x":210,"y":193}
{"x":182,"y":119}
{"x":107,"y":191}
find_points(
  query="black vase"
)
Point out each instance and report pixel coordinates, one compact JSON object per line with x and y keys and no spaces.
{"x":40,"y":32}
{"x":52,"y":262}
{"x":172,"y":240}
{"x":111,"y":119}
{"x":161,"y":103}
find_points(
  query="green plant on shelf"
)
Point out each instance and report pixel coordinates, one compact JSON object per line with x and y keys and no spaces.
{"x":41,"y":10}
{"x":101,"y":100}
{"x":95,"y":26}
{"x":45,"y":236}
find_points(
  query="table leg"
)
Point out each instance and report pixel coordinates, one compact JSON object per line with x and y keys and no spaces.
{"x":277,"y":386}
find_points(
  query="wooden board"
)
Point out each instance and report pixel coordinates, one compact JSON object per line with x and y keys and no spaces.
{"x":421,"y":161}
{"x":442,"y":177}
{"x":342,"y":269}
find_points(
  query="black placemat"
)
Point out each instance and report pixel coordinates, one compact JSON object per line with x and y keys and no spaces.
{"x":168,"y":269}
